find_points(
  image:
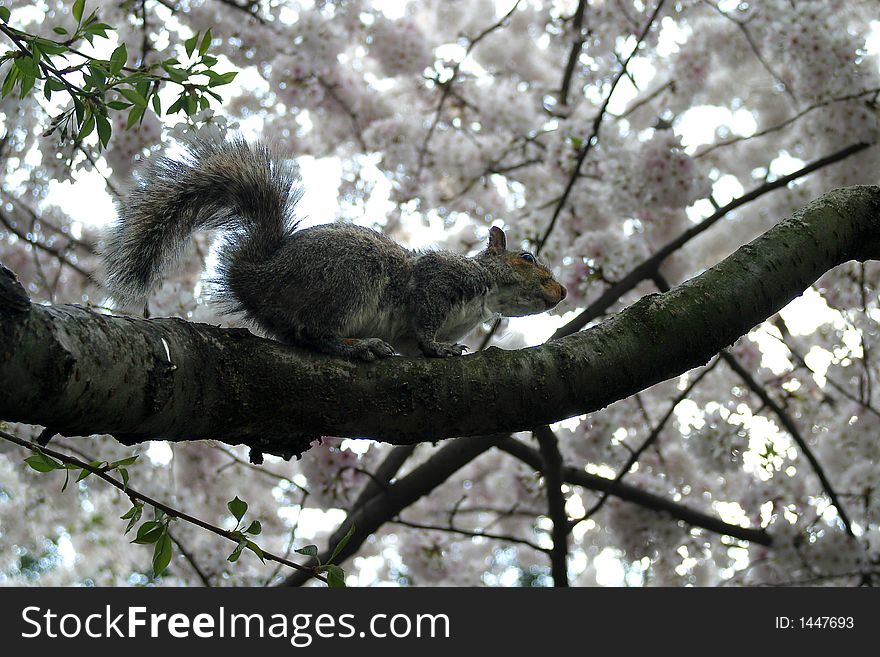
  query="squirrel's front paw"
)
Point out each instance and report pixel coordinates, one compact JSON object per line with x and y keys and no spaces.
{"x":442,"y":349}
{"x":369,"y":349}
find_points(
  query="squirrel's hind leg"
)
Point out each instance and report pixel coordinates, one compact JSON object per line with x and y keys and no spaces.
{"x":289,"y":330}
{"x":368,"y":349}
{"x":365,"y":349}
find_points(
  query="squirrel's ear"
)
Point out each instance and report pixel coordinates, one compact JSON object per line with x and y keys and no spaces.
{"x":497,"y":240}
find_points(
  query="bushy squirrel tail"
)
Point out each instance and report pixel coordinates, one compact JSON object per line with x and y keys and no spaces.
{"x":230,"y":185}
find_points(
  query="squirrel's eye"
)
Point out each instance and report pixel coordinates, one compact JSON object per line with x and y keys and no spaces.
{"x":528,"y":257}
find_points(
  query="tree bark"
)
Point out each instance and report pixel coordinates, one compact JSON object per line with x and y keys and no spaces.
{"x":78,"y":372}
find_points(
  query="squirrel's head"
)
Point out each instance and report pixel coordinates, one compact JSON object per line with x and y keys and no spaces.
{"x":523,"y":285}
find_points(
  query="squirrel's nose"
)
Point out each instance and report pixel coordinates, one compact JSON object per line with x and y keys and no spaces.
{"x":562,"y":292}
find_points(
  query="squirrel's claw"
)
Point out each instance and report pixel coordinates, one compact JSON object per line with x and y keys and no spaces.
{"x":370,"y":349}
{"x":442,"y":349}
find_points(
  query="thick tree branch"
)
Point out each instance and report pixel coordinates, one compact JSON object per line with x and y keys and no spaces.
{"x":381,"y":508}
{"x":81,"y":373}
{"x":629,"y":493}
{"x":552,"y":469}
{"x":383,"y":475}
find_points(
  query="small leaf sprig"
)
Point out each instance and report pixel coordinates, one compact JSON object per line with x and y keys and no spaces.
{"x":335,"y":574}
{"x":156,"y":531}
{"x":98,"y":86}
{"x":238,"y":507}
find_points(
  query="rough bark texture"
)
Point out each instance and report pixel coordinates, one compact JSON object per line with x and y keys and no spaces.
{"x":78,"y":372}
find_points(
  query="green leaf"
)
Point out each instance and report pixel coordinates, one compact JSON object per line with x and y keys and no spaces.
{"x":157,"y":105}
{"x":162,"y":554}
{"x":118,"y":59}
{"x":48,"y":89}
{"x":236,"y":553}
{"x":176,"y":74}
{"x":124,"y":474}
{"x":308,"y":550}
{"x":87,"y":127}
{"x":97,"y":29}
{"x":127,"y":460}
{"x":190,"y":44}
{"x":59,"y":30}
{"x":4,"y":14}
{"x":335,"y":576}
{"x":133,"y":96}
{"x":253,"y":547}
{"x":219,"y":79}
{"x":27,"y":83}
{"x":78,"y":7}
{"x":142,"y":85}
{"x":205,"y":44}
{"x":130,"y":513}
{"x":341,"y":544}
{"x":104,"y":131}
{"x":237,"y":507}
{"x":118,"y":105}
{"x":79,"y":108}
{"x":42,"y":463}
{"x":50,"y":47}
{"x":254,"y":528}
{"x":85,"y":472}
{"x":177,"y":105}
{"x":99,"y":71}
{"x":149,"y":532}
{"x":9,"y":82}
{"x":27,"y":66}
{"x":133,"y":515}
{"x":135,"y":115}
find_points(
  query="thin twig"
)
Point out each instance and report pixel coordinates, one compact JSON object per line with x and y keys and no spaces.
{"x":447,"y":87}
{"x":787,"y":422}
{"x":135,"y":495}
{"x":650,"y":440}
{"x":474,"y":533}
{"x":191,"y":560}
{"x":594,"y":135}
{"x":787,"y":122}
{"x":576,"y":46}
{"x":648,"y":267}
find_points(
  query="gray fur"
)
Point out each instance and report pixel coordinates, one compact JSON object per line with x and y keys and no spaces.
{"x":336,"y":288}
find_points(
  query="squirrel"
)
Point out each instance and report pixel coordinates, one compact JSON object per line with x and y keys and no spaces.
{"x":335,"y":288}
